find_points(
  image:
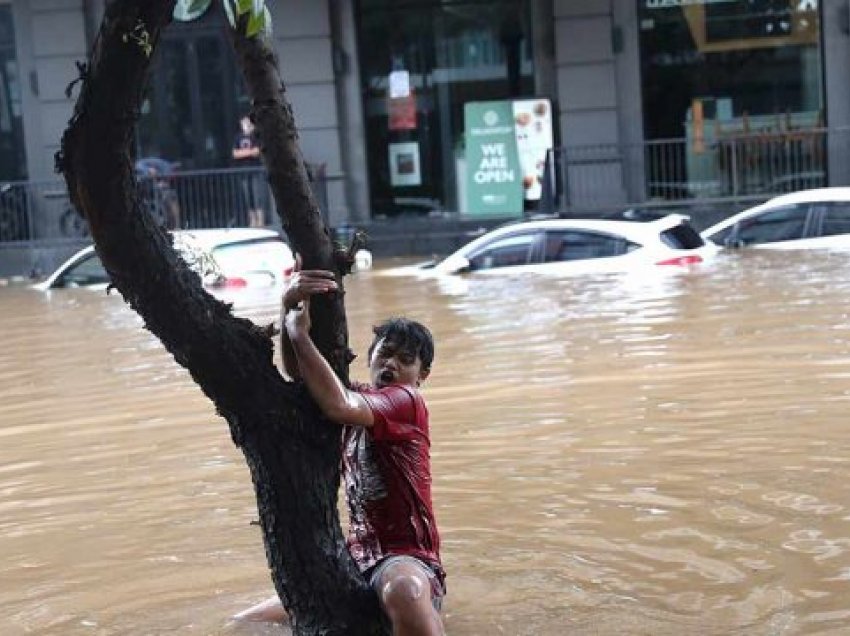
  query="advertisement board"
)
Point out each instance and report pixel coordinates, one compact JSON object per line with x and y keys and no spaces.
{"x":533,"y":129}
{"x":494,"y":182}
{"x":506,"y":146}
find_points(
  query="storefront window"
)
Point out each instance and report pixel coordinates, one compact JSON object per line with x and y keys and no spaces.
{"x":191,"y":112}
{"x":732,"y":96}
{"x":420,"y":63}
{"x":13,"y":162}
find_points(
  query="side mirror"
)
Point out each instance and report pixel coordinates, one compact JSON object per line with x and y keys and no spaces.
{"x":454,"y":265}
{"x":462,"y":266}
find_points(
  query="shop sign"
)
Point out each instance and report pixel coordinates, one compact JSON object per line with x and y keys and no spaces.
{"x":801,"y":5}
{"x":493,"y":174}
{"x":798,"y":5}
{"x":666,"y":4}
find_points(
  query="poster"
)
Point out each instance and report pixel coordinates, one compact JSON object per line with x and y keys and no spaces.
{"x":404,"y":164}
{"x":401,"y":112}
{"x":399,"y":82}
{"x":533,"y":129}
{"x":493,"y":174}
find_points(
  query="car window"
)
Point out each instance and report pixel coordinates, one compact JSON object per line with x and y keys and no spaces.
{"x":270,"y":255}
{"x":88,"y":271}
{"x":723,"y":235}
{"x":574,"y":245}
{"x":836,"y":219}
{"x":781,"y":224}
{"x":505,"y":252}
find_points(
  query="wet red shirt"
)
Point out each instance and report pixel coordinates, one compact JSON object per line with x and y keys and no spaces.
{"x":387,"y":474}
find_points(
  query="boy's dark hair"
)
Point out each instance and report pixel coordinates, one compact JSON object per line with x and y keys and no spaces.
{"x":408,"y":335}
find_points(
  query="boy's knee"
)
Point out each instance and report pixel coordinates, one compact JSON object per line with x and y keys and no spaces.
{"x":403,"y":592}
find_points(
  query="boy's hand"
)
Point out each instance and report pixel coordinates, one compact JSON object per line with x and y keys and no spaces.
{"x":303,"y":284}
{"x":298,"y":320}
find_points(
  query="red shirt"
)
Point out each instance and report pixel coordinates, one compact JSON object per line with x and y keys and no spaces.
{"x":387,"y":474}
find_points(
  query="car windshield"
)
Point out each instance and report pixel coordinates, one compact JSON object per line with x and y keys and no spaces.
{"x":88,"y":271}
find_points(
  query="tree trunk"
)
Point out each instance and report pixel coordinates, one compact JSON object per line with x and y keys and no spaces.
{"x":292,"y":452}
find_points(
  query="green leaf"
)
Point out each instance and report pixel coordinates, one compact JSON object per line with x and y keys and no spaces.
{"x":256,"y":24}
{"x":244,"y":6}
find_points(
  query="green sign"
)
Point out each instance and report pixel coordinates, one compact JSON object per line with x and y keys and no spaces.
{"x":493,"y":173}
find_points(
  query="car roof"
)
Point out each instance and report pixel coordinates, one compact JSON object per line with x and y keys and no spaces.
{"x":212,"y":238}
{"x":815,"y":195}
{"x":811,"y":196}
{"x":630,"y":229}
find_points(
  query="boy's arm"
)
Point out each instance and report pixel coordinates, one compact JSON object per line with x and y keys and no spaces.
{"x":290,"y":362}
{"x":336,"y":401}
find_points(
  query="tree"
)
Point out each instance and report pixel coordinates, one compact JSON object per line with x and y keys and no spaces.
{"x":293,"y":455}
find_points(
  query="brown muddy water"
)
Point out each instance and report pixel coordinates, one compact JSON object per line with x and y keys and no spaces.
{"x":644,"y":454}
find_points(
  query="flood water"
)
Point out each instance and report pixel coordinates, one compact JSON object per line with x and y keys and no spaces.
{"x":644,"y":454}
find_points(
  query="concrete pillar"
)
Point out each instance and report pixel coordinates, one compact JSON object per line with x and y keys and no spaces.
{"x":350,"y":103}
{"x":302,"y":32}
{"x":835,"y":25}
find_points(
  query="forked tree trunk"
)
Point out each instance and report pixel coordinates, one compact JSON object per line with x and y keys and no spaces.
{"x":293,"y":454}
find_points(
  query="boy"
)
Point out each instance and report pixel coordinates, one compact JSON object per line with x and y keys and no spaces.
{"x":393,"y":536}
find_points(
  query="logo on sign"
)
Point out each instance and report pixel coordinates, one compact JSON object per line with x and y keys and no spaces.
{"x":491,"y":118}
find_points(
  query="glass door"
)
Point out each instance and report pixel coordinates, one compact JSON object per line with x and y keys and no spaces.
{"x":420,"y":63}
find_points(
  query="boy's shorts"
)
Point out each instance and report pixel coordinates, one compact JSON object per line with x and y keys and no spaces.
{"x":437,"y":590}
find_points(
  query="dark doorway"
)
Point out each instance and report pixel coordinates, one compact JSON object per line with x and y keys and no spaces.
{"x":191,"y":113}
{"x":13,"y":160}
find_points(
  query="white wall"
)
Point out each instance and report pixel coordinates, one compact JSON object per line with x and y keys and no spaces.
{"x":50,"y":36}
{"x":302,"y":33}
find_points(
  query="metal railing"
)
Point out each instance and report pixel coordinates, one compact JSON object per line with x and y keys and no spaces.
{"x":686,"y":172}
{"x":34,"y":211}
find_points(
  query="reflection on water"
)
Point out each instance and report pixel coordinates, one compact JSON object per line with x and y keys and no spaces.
{"x":646,"y":454}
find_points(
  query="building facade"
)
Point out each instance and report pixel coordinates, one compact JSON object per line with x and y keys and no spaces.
{"x":653,"y":101}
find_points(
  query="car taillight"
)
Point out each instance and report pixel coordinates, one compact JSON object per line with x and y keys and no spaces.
{"x":690,"y":259}
{"x":231,"y":283}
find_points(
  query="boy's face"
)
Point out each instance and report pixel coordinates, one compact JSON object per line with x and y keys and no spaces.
{"x":390,"y":364}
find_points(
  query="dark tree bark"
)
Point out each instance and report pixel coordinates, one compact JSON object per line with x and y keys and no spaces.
{"x":292,"y":452}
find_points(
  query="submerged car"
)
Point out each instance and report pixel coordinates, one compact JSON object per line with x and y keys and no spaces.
{"x":576,"y":245}
{"x":224,"y":259}
{"x":818,"y":218}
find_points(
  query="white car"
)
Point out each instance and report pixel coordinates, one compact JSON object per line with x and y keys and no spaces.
{"x":228,"y":259}
{"x":575,"y":245}
{"x":808,"y":219}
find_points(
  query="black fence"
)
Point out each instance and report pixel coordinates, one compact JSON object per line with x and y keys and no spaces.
{"x":687,"y":172}
{"x":238,"y":197}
